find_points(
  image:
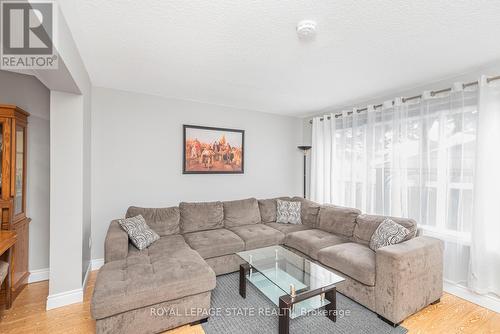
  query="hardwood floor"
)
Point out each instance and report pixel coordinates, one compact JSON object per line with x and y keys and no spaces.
{"x":28,"y":315}
{"x":454,"y":315}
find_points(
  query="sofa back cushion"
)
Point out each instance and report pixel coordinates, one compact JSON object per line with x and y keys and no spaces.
{"x":338,"y":219}
{"x":309,"y":211}
{"x":267,"y":208}
{"x":201,"y":216}
{"x":241,"y":212}
{"x":367,"y":224}
{"x":164,"y":221}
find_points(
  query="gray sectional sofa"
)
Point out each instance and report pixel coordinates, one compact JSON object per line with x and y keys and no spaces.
{"x":198,"y":241}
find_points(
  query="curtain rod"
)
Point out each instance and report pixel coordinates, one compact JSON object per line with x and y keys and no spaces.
{"x":404,"y":99}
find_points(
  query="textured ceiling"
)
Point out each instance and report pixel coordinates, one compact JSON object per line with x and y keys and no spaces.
{"x":246,"y":53}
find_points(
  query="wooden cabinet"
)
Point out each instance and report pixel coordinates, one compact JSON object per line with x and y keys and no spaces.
{"x":13,"y":149}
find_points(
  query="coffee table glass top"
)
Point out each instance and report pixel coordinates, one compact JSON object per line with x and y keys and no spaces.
{"x":276,"y":271}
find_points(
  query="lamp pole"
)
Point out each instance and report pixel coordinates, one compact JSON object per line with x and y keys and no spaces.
{"x":304,"y":149}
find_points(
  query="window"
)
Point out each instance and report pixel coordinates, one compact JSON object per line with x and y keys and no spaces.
{"x":410,"y":160}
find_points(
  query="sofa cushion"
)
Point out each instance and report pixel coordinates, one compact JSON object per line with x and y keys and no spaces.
{"x":167,"y":245}
{"x":288,"y":228}
{"x":258,"y":236}
{"x":241,"y":212}
{"x":355,"y":260}
{"x":214,"y":243}
{"x":164,"y":221}
{"x":309,"y":211}
{"x":116,"y":243}
{"x":310,"y":242}
{"x":338,"y":219}
{"x":138,"y":231}
{"x":267,"y":208}
{"x":140,"y":281}
{"x":201,"y":216}
{"x":367,"y":224}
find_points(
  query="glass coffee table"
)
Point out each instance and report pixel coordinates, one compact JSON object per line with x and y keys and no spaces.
{"x":293,"y":283}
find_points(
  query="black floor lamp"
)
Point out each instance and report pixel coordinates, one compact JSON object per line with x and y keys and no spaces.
{"x":304,"y":149}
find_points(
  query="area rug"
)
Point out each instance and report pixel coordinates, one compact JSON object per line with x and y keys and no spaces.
{"x":232,"y":314}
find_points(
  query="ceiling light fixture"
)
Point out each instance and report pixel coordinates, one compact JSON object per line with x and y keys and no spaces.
{"x":306,"y":30}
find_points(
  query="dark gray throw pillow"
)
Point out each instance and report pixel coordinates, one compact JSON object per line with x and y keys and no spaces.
{"x":388,"y":233}
{"x":138,"y":231}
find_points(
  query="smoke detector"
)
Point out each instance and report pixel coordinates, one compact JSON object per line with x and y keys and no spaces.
{"x":306,"y":30}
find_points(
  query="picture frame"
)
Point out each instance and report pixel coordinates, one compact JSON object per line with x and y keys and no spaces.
{"x":212,"y":150}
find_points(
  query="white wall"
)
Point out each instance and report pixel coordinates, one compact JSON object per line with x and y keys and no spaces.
{"x":86,"y":223}
{"x":70,"y":197}
{"x":69,"y":52}
{"x":66,"y":188}
{"x":30,"y":94}
{"x":137,"y":155}
{"x":70,"y":171}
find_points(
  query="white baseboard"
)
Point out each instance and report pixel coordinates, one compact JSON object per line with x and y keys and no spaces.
{"x":486,"y":301}
{"x":64,"y":298}
{"x":97,"y":263}
{"x":38,"y":275}
{"x":68,"y":297}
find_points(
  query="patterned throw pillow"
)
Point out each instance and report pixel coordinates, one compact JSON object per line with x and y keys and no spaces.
{"x":288,"y":212}
{"x":138,"y":231}
{"x":388,"y":233}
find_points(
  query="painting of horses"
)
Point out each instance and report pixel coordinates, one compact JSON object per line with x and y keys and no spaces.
{"x":209,"y":150}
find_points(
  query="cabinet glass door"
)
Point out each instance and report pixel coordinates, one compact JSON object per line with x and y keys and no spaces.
{"x":18,"y":198}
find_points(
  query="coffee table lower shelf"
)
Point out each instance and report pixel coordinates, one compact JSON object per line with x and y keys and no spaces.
{"x":289,"y":307}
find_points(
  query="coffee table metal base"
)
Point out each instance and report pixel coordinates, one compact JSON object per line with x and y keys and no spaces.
{"x":286,"y":302}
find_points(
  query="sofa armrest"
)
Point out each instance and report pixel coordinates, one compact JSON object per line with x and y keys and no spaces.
{"x":409,"y":276}
{"x":116,"y":243}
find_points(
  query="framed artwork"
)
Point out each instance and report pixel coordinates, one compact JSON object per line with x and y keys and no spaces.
{"x":210,"y":150}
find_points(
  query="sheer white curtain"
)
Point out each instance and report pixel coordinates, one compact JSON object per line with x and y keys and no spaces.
{"x":414,"y":159}
{"x":485,"y":249}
